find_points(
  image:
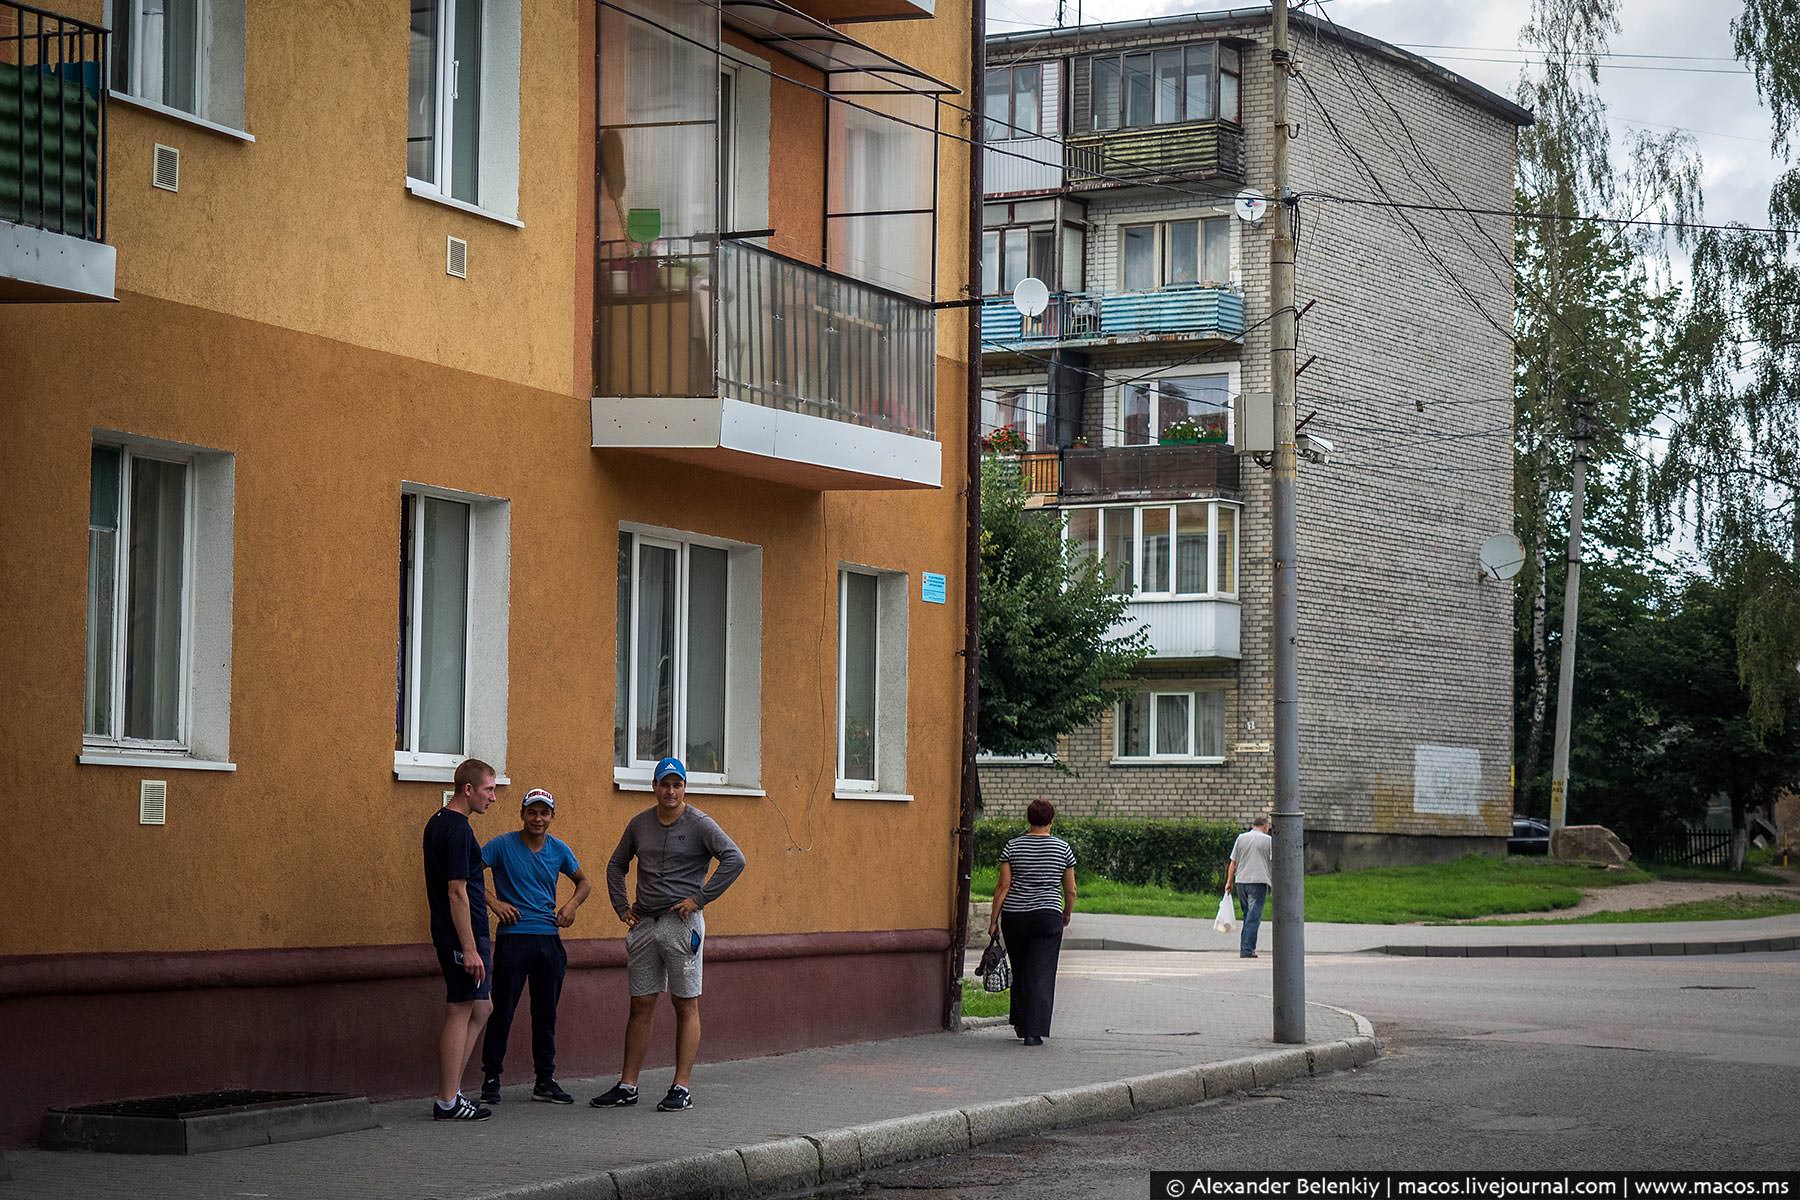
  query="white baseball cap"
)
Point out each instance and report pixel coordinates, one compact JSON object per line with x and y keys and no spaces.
{"x":538,"y":796}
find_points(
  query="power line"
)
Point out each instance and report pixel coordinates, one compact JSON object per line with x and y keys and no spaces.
{"x":1589,"y":54}
{"x":1604,"y":66}
{"x":1530,"y":215}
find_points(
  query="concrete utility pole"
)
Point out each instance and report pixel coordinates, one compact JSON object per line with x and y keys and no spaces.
{"x":1290,"y":824}
{"x":1565,"y":682}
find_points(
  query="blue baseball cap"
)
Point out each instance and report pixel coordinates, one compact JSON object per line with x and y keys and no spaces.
{"x":668,"y":766}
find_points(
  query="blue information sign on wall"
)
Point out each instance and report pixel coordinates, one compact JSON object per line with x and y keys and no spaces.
{"x":931,"y":588}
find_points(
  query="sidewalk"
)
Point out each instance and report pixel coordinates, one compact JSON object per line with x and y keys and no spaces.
{"x":1100,"y":931}
{"x":779,"y":1123}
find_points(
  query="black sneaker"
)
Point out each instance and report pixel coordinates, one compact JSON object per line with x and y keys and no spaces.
{"x":463,"y":1109}
{"x":677,"y":1099}
{"x":618,"y":1095}
{"x":550,"y":1093}
{"x":490,"y":1090}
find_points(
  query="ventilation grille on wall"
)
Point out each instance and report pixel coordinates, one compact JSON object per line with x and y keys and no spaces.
{"x":165,"y":168}
{"x":153,"y":802}
{"x":456,"y":258}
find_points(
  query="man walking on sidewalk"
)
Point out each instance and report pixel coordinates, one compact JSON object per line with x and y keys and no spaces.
{"x":665,"y":932}
{"x":1249,"y":866}
{"x":459,"y":932}
{"x":527,"y":863}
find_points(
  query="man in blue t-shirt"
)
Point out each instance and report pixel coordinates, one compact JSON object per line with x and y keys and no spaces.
{"x":526,"y":866}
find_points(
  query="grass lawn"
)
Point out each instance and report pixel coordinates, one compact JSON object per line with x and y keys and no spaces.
{"x":980,"y":1003}
{"x":1471,"y":887}
{"x":1715,"y":874}
{"x":1727,"y":908}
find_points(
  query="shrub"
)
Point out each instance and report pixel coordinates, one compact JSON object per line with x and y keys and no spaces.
{"x":1188,"y":856}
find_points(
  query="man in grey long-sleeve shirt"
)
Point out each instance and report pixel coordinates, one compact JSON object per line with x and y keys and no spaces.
{"x":674,"y":844}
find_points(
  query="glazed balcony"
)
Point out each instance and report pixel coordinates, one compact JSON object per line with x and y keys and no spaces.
{"x":726,"y":355}
{"x":52,"y":159}
{"x":1183,"y":313}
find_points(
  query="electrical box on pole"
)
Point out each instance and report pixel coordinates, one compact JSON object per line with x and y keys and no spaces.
{"x":1253,"y":423}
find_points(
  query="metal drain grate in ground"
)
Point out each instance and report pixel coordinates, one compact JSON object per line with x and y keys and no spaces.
{"x":197,"y":1122}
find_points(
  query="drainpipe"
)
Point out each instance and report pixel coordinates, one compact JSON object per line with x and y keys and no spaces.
{"x":971,"y":652}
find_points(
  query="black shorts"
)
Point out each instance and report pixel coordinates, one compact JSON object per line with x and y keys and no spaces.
{"x":460,"y":986}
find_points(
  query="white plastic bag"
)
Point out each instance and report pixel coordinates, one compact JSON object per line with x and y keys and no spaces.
{"x":1227,"y":915}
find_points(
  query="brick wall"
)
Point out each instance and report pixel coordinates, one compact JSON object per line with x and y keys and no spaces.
{"x":1405,"y":656}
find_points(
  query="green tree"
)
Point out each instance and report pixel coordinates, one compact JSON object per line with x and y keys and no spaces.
{"x":1052,"y":655}
{"x":1665,"y":723}
{"x":1591,"y":323}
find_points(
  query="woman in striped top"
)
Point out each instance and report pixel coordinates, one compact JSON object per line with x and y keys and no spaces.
{"x":1032,"y":904}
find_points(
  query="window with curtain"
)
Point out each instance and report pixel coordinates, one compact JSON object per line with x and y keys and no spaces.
{"x":1178,"y":407}
{"x":187,"y":55}
{"x":1009,"y":255}
{"x":1151,"y":725}
{"x":1025,"y":409}
{"x":432,"y":713}
{"x":660,"y":135}
{"x":444,"y":80}
{"x":1167,"y":253}
{"x":673,"y":654}
{"x":859,"y":661}
{"x":1166,"y":86}
{"x":138,"y":552}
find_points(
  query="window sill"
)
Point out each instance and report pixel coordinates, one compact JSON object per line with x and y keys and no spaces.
{"x":641,"y":783}
{"x":1185,"y":598}
{"x":859,"y":794}
{"x":1168,"y":762}
{"x":175,"y":114}
{"x":160,"y":762}
{"x":425,"y":191}
{"x":414,"y":773}
{"x":1014,"y":760}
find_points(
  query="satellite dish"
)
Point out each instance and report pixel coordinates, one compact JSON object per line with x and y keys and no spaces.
{"x":1031,"y":297}
{"x":1251,"y":205}
{"x":1501,"y":557}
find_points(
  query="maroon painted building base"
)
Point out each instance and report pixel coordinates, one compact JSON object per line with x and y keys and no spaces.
{"x":85,"y":1028}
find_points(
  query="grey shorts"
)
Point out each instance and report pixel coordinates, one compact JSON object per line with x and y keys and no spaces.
{"x":663,"y":956}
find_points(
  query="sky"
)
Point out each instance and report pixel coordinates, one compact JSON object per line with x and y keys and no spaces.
{"x":1729,"y":125}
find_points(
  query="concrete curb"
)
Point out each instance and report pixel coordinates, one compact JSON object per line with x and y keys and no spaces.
{"x":795,"y":1163}
{"x":1599,"y":949}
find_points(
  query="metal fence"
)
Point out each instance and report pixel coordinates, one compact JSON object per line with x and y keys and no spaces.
{"x":52,"y":122}
{"x":807,"y":340}
{"x":1690,"y":848}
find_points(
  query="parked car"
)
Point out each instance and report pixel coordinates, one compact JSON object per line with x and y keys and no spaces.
{"x":1529,"y":836}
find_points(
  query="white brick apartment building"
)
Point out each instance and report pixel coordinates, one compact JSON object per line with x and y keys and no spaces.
{"x":1115,"y":152}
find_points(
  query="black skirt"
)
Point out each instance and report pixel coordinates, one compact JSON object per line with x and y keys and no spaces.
{"x":1033,"y":943}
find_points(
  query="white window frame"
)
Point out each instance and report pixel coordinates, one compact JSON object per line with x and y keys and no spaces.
{"x":892,"y":593}
{"x":213,"y":46}
{"x":485,"y":637}
{"x":497,"y":135}
{"x":1114,"y":393}
{"x":743,"y":667}
{"x":1213,"y":590}
{"x":203,"y":671}
{"x":1193,"y":731}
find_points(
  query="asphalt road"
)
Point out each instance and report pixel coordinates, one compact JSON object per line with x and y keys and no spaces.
{"x":1588,"y":1064}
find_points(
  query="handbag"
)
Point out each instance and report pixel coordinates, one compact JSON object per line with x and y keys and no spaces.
{"x":1227,"y":915}
{"x":993,"y":956}
{"x":995,"y":972}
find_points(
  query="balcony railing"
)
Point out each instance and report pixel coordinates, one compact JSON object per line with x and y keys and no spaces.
{"x":1149,"y":471}
{"x":1042,"y":472}
{"x":1183,"y":312}
{"x":699,"y":317}
{"x":1119,"y":157}
{"x":52,"y":122}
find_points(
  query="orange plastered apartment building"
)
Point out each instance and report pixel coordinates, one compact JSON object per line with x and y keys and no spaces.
{"x":564,"y":384}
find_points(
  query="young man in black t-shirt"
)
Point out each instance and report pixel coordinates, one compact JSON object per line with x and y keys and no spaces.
{"x":459,"y":933}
